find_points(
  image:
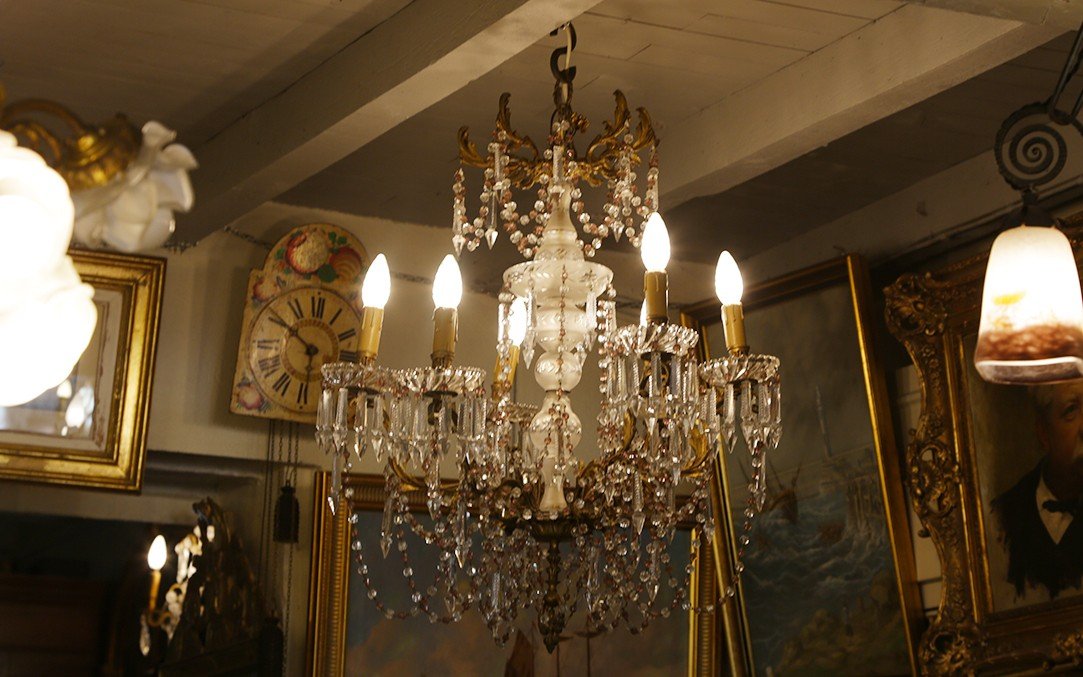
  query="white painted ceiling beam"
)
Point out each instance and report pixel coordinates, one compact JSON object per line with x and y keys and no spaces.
{"x":420,"y":55}
{"x":1055,"y":13}
{"x":894,"y":62}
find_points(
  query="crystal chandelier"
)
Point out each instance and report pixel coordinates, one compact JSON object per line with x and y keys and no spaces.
{"x":519,"y":519}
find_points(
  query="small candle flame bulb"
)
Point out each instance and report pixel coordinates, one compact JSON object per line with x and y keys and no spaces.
{"x":376,"y":288}
{"x":517,"y":322}
{"x":157,"y":554}
{"x":447,"y":287}
{"x":504,"y":375}
{"x":654,"y":250}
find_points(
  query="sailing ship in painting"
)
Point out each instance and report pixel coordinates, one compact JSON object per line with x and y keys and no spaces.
{"x":819,"y":582}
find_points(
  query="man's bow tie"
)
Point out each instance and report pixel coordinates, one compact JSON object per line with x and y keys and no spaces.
{"x":1072,"y":506}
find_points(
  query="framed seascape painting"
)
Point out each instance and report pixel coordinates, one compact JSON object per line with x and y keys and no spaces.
{"x":91,"y":429}
{"x":996,"y":472}
{"x":349,"y":635}
{"x":828,"y":586}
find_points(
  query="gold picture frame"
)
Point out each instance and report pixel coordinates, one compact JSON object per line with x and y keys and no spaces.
{"x":806,"y":317}
{"x":113,"y":378}
{"x":332,"y":568}
{"x":951,"y":471}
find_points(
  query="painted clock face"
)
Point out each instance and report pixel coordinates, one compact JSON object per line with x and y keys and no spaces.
{"x":292,"y":337}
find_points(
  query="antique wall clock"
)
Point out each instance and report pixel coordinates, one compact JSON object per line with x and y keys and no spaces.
{"x":301,"y":311}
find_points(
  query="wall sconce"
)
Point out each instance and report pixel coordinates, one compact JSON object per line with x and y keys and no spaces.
{"x":166,"y":616}
{"x":1031,"y":328}
{"x":125,"y":183}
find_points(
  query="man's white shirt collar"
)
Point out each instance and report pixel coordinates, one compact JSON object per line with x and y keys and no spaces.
{"x":1056,"y":523}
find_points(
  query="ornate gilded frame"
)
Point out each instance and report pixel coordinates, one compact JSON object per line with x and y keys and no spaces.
{"x":931,"y":314}
{"x":849,"y":270}
{"x":331,"y":567}
{"x":139,"y":282}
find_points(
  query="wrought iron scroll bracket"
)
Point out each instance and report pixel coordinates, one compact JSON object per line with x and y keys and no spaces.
{"x":1030,"y":148}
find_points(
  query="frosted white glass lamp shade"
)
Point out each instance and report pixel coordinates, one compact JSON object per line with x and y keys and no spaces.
{"x":1031,"y":327}
{"x":42,"y":338}
{"x":35,"y":213}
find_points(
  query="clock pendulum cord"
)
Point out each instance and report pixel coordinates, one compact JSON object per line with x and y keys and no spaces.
{"x":283,"y":444}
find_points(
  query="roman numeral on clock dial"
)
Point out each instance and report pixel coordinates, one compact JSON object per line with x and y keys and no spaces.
{"x":282,"y":384}
{"x":269,"y":365}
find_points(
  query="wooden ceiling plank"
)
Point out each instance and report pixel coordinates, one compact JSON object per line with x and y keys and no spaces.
{"x":1054,"y":13}
{"x":670,"y":15}
{"x":865,"y":9}
{"x":905,"y":57}
{"x":417,"y":57}
{"x":605,"y":30}
{"x":742,"y":29}
{"x":790,"y":16}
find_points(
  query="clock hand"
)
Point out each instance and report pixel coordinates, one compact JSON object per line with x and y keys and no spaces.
{"x":293,"y":331}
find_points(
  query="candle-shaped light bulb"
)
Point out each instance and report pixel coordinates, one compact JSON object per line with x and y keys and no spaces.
{"x":447,"y":288}
{"x":504,"y":374}
{"x":376,"y":288}
{"x":730,"y":288}
{"x":654,"y":249}
{"x":727,"y":280}
{"x":447,"y":291}
{"x":375,"y":291}
{"x":517,"y":322}
{"x":157,"y":553}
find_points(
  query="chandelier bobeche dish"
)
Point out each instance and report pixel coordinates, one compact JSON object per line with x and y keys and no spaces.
{"x":517,"y":514}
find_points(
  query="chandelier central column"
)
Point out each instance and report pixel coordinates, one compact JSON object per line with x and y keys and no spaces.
{"x":561,"y":289}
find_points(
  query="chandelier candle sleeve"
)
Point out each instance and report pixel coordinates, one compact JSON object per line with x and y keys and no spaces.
{"x":375,"y":291}
{"x":655,"y":254}
{"x":729,"y":287}
{"x":447,"y":291}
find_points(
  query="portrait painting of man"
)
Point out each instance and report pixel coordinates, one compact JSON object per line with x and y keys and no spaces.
{"x":1039,"y":517}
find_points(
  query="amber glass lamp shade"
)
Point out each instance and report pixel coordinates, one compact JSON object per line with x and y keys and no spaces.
{"x":1031,"y":327}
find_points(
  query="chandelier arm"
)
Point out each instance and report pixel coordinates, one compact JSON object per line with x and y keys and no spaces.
{"x":39,"y":138}
{"x":645,"y":135}
{"x":503,"y":124}
{"x":21,"y":109}
{"x":468,"y":150}
{"x":602,"y":143}
{"x":92,"y":156}
{"x":416,"y":482}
